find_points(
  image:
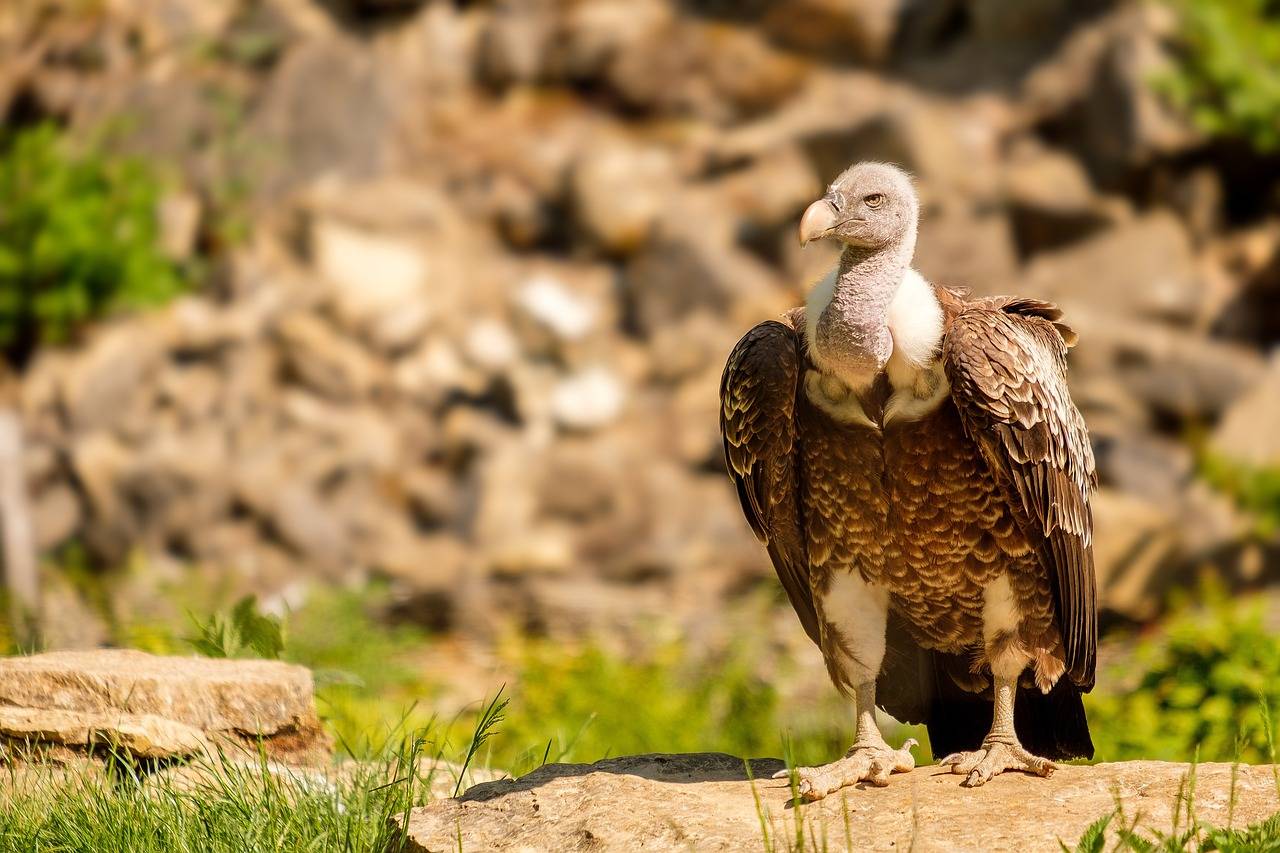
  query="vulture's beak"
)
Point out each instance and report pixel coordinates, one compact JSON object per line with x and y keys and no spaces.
{"x":818,"y":219}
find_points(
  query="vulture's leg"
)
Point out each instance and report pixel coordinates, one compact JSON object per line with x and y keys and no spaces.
{"x":854,"y":615}
{"x":1000,"y":750}
{"x":870,"y":759}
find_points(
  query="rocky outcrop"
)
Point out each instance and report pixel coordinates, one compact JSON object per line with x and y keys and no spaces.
{"x":60,"y":704}
{"x":712,"y":802}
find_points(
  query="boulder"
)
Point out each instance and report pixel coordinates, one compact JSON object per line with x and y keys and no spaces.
{"x":1249,"y":432}
{"x":717,"y":802}
{"x":619,"y":189}
{"x":1144,"y":268}
{"x":842,"y":31}
{"x":158,"y":707}
{"x":1170,"y":370}
{"x":327,"y":361}
{"x":99,"y":388}
{"x":379,"y":282}
{"x":348,"y":131}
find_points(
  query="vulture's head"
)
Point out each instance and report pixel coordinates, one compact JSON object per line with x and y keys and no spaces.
{"x":871,"y":205}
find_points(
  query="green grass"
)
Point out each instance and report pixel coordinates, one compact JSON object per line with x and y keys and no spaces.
{"x":218,"y":805}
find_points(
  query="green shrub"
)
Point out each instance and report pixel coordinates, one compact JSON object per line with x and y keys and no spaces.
{"x":78,"y":238}
{"x":1228,"y":78}
{"x":1255,"y":490}
{"x":1199,"y":682}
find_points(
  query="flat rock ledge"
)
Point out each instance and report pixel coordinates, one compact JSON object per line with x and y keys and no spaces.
{"x":63,"y":705}
{"x":708,"y":802}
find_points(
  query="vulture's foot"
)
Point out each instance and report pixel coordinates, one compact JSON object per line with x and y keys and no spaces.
{"x":994,"y":758}
{"x":864,"y":762}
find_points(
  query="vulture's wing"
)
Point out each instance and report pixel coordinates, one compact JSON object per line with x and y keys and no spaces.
{"x":757,"y":421}
{"x":1006,"y":361}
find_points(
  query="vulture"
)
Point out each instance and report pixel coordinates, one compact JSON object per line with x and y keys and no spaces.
{"x":912,"y":460}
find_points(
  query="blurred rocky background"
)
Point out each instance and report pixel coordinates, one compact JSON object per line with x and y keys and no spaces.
{"x":437,"y":294}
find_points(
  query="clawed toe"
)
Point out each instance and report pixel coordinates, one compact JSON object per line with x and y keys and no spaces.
{"x":995,"y":758}
{"x":873,"y":764}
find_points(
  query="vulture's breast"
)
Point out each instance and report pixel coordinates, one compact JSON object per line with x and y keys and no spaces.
{"x":911,"y":505}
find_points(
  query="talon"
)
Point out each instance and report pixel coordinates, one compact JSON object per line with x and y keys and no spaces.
{"x":872,"y":763}
{"x":996,"y":757}
{"x":782,"y":774}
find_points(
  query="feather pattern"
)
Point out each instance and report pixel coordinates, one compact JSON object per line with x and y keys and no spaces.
{"x":757,"y":421}
{"x":1006,"y":361}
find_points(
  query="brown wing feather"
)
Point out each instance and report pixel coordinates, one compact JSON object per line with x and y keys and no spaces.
{"x":1006,"y":361}
{"x":757,"y":421}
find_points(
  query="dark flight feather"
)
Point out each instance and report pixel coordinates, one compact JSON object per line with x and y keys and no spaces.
{"x":757,"y":421}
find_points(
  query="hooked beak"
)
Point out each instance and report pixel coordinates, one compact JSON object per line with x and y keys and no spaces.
{"x":819,"y":218}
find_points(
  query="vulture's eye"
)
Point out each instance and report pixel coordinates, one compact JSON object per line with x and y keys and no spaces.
{"x":874,"y":200}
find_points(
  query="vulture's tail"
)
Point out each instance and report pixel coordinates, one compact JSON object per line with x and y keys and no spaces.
{"x":1051,"y":725}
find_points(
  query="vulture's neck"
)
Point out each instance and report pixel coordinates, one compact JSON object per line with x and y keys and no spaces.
{"x":848,"y":314}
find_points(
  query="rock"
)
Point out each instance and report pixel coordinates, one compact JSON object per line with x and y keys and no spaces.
{"x":588,"y":400}
{"x":55,"y":515}
{"x":859,"y":31}
{"x":1142,"y":269}
{"x":99,"y":461}
{"x":1051,"y":199}
{"x":1124,"y":120}
{"x":159,"y":706}
{"x":685,"y":270}
{"x":1171,"y":371}
{"x":950,"y":149}
{"x":550,"y":303}
{"x":380,"y":282}
{"x":708,"y":802}
{"x":1248,"y":431}
{"x":618,"y":191}
{"x":959,"y":246}
{"x":99,"y":387}
{"x":515,"y":46}
{"x":490,"y":345}
{"x":140,"y":735}
{"x":1133,"y":541}
{"x":179,"y":216}
{"x":326,"y":361}
{"x":165,"y":24}
{"x":346,"y":132}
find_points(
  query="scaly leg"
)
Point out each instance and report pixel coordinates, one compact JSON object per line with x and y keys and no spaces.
{"x":870,"y":759}
{"x":1000,"y":750}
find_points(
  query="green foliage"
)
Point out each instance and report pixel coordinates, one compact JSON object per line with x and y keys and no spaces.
{"x":1228,"y":78}
{"x":567,"y":703}
{"x":229,"y":808}
{"x":245,"y":633}
{"x":1255,"y":490}
{"x":1262,"y":837}
{"x":1203,"y":681}
{"x":1094,"y":839}
{"x":587,"y":703}
{"x":78,"y":238}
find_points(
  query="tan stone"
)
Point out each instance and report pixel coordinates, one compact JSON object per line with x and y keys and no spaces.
{"x":143,"y":735}
{"x":244,"y":697}
{"x":707,"y":802}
